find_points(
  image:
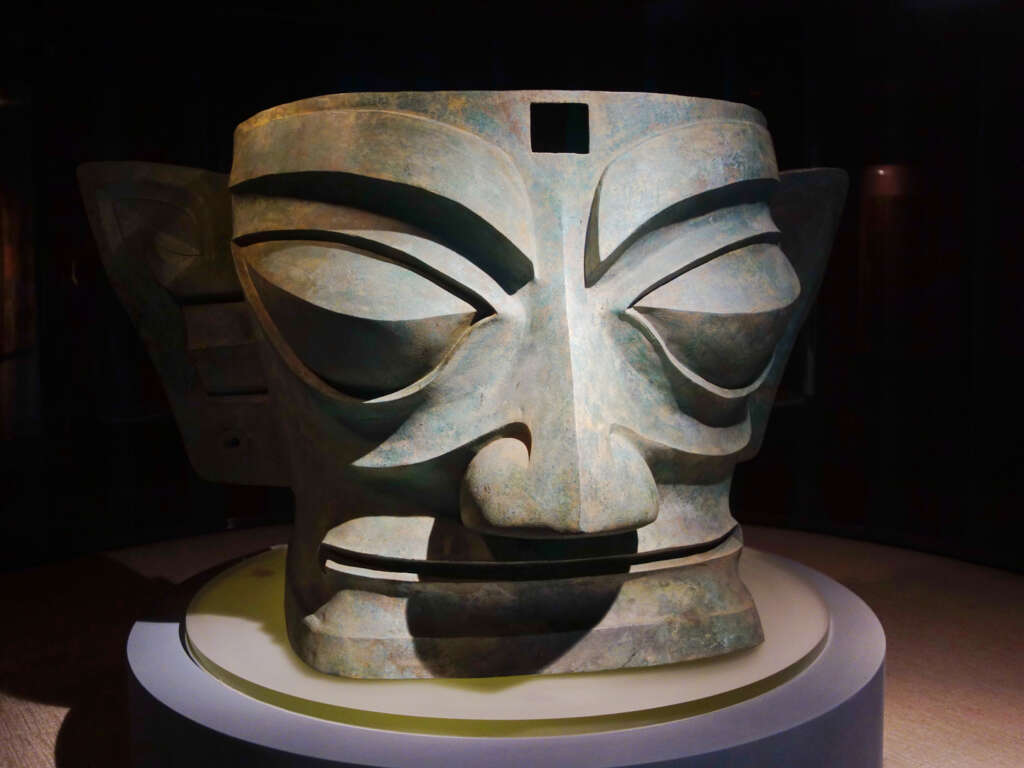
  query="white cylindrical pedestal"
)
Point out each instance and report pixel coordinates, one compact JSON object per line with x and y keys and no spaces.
{"x":814,"y":704}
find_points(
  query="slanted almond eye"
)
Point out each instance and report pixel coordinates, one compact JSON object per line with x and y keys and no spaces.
{"x":363,"y":322}
{"x":724,"y":318}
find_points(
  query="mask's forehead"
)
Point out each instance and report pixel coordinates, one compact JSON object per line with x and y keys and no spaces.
{"x":464,"y":161}
{"x":616,"y":120}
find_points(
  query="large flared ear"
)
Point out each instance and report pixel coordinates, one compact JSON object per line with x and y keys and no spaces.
{"x":164,"y":238}
{"x":806,"y":208}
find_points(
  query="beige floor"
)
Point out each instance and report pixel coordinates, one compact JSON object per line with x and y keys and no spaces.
{"x":955,"y":670}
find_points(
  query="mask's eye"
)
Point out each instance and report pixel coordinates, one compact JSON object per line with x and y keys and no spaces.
{"x":363,"y":322}
{"x":724,"y":318}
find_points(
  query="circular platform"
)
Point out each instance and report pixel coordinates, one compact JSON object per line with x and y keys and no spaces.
{"x":235,"y":630}
{"x":818,"y":701}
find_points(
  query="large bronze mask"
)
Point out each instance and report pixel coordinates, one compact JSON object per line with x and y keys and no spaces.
{"x":508,"y":376}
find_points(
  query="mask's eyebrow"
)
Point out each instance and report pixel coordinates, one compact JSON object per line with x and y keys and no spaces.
{"x":678,"y":175}
{"x":257,"y":218}
{"x":665,"y":253}
{"x":463,"y":190}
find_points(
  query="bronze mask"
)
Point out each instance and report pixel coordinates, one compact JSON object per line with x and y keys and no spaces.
{"x":507,"y":381}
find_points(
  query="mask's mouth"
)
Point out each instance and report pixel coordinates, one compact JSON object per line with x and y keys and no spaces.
{"x":516,"y":559}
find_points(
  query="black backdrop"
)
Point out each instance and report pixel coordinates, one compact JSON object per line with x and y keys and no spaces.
{"x":902,"y":422}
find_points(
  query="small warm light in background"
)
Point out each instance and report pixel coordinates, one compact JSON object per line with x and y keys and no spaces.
{"x":886,"y":180}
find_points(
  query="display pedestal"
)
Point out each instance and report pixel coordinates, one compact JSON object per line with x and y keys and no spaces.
{"x":815,"y":700}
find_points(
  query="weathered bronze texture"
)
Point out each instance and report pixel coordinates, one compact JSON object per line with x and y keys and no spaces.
{"x":513,"y":384}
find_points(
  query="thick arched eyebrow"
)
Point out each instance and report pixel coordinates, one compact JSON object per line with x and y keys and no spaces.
{"x":678,"y":175}
{"x":463,"y":190}
{"x":259,"y":219}
{"x":665,"y":253}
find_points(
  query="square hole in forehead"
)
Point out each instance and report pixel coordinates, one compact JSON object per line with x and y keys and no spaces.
{"x":560,"y":127}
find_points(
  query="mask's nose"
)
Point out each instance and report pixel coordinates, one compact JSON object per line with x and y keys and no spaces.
{"x":571,"y":474}
{"x":593,"y":485}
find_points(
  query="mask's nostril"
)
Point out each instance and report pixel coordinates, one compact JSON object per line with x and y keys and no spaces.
{"x":494,"y":491}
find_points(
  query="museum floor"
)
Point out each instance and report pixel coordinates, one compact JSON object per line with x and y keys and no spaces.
{"x":955,"y":679}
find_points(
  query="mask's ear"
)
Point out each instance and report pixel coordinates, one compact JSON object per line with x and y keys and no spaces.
{"x":164,"y":238}
{"x":806,"y":208}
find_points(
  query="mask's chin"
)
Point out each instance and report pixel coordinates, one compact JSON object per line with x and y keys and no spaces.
{"x":508,"y":617}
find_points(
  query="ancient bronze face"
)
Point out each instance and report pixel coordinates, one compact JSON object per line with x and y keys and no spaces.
{"x":513,"y":383}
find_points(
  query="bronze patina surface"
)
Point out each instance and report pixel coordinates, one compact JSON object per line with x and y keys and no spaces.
{"x":512,"y":384}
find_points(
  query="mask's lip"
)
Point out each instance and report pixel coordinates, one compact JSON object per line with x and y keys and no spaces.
{"x":513,"y":570}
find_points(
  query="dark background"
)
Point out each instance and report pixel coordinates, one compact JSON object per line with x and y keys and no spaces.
{"x":900,"y":422}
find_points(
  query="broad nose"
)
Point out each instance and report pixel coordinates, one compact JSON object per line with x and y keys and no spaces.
{"x":595,"y":484}
{"x":569,"y":473}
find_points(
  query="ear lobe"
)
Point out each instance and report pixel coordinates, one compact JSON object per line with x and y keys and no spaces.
{"x":806,"y":208}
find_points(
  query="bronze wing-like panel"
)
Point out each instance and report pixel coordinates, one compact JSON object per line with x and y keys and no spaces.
{"x":806,"y":207}
{"x":164,"y":238}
